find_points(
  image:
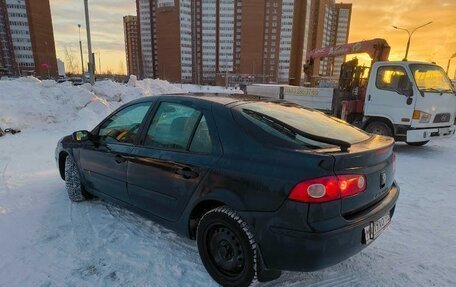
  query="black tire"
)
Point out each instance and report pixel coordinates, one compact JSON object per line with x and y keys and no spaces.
{"x":417,"y":143}
{"x":379,"y":128}
{"x":227,"y":248}
{"x":72,"y":181}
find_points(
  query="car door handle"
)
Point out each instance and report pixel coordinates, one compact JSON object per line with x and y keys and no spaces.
{"x":120,"y":158}
{"x":187,"y":173}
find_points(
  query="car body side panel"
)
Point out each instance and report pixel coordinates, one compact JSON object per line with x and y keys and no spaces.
{"x":103,"y":169}
{"x":155,"y":185}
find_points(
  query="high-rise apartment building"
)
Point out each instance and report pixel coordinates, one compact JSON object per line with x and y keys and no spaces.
{"x":147,"y":34}
{"x":331,"y":26}
{"x":342,"y":22}
{"x":26,"y":31}
{"x":201,"y":41}
{"x":8,"y":64}
{"x":132,"y":45}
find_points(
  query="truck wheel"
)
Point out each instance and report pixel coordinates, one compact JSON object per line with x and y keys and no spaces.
{"x":417,"y":143}
{"x":227,"y":248}
{"x":72,"y":181}
{"x":379,"y":128}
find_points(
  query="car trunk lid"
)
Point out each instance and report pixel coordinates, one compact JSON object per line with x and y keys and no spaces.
{"x":373,"y":159}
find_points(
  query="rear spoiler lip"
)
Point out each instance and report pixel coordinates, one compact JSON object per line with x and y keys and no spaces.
{"x":363,"y":146}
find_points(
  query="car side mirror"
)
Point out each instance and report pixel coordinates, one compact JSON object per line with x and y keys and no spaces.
{"x":409,"y":100}
{"x":406,"y":89}
{"x":81,"y":136}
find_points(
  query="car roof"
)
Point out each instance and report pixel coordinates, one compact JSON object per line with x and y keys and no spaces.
{"x":217,"y":98}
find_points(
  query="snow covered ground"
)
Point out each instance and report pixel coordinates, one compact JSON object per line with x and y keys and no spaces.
{"x":45,"y":240}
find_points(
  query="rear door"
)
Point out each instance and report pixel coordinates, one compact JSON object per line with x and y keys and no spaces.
{"x":178,"y":149}
{"x":382,"y":98}
{"x":104,"y":162}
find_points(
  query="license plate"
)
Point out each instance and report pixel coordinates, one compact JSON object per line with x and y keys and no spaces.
{"x":375,"y":228}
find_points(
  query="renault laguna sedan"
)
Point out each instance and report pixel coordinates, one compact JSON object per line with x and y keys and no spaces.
{"x":262,"y":185}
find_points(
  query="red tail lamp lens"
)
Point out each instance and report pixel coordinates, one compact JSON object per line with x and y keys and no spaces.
{"x":329,"y":188}
{"x":351,"y":184}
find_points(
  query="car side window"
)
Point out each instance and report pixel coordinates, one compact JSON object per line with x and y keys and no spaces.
{"x":201,"y":142}
{"x":391,"y":78}
{"x":172,"y":126}
{"x":123,"y":127}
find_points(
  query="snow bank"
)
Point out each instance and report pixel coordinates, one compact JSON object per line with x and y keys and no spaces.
{"x":30,"y":103}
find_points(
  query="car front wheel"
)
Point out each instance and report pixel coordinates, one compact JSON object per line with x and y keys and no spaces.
{"x":417,"y":143}
{"x":227,"y":247}
{"x":72,"y":181}
{"x":379,"y":128}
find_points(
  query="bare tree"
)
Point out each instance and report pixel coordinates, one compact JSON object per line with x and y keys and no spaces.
{"x":122,"y":68}
{"x":70,"y":61}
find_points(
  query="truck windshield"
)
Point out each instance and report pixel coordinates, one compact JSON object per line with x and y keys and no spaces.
{"x":430,"y":78}
{"x":286,"y":120}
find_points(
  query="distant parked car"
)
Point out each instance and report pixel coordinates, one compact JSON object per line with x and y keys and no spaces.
{"x":76,"y":81}
{"x":262,"y":186}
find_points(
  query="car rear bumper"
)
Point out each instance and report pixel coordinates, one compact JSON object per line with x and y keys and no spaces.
{"x":285,"y":248}
{"x":426,"y":134}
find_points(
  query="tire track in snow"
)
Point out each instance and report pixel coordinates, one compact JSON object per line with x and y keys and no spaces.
{"x":147,"y":229}
{"x":4,"y":181}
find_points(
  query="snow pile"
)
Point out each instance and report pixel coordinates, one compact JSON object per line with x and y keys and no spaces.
{"x":30,"y":103}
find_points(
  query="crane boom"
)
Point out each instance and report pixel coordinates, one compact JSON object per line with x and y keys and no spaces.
{"x":378,"y":49}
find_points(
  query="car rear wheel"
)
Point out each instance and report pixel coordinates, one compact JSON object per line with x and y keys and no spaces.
{"x":72,"y":181}
{"x":379,"y":128}
{"x":227,"y":247}
{"x":417,"y":143}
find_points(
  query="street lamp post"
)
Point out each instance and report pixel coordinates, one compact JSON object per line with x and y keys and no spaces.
{"x":80,"y":49}
{"x":410,"y":36}
{"x":89,"y":42}
{"x":448,"y":66}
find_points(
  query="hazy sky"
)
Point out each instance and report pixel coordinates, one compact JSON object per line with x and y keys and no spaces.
{"x":370,"y":19}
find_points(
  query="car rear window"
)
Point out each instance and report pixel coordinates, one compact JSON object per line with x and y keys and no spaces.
{"x":304,"y":119}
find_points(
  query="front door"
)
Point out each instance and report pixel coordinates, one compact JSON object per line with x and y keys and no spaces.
{"x":179,"y":149}
{"x":382,"y":98}
{"x":104,"y":162}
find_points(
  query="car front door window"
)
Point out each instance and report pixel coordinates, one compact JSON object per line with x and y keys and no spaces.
{"x":123,"y":127}
{"x":391,"y":78}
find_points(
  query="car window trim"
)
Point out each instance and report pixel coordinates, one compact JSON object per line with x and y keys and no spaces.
{"x":216,"y":149}
{"x":192,"y":135}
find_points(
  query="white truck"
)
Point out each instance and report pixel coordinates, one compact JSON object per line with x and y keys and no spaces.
{"x":410,"y":101}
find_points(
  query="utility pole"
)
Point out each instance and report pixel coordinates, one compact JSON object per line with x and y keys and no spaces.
{"x":89,"y":42}
{"x":226,"y":72}
{"x":99,"y":63}
{"x":80,"y":49}
{"x":448,"y":66}
{"x":410,"y":36}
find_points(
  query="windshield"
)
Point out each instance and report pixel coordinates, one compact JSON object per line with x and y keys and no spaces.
{"x":306,"y":120}
{"x":431,"y":78}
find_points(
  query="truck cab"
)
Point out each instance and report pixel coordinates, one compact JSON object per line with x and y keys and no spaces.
{"x":412,"y":101}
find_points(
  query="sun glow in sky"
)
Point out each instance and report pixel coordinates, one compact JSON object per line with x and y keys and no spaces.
{"x":370,"y":19}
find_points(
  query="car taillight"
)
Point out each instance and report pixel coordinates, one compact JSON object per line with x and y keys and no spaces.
{"x":328,"y":188}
